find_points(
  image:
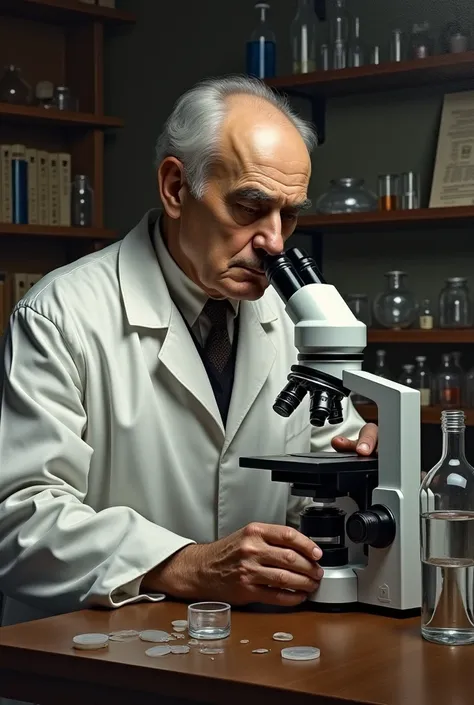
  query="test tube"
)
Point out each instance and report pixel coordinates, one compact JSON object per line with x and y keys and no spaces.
{"x":397,"y":52}
{"x":410,"y":190}
{"x":388,"y":192}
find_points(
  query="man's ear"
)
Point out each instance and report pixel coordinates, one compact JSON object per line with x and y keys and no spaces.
{"x":170,"y":185}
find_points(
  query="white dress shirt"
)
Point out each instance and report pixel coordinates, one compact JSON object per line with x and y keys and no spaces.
{"x":187,"y":296}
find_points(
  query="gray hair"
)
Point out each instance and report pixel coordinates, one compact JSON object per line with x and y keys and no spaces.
{"x":191,"y":133}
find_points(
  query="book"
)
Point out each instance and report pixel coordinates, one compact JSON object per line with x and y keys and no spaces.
{"x":6,"y":182}
{"x":53,"y":190}
{"x":43,"y":188}
{"x":32,"y":159}
{"x":64,"y":189}
{"x":19,"y":184}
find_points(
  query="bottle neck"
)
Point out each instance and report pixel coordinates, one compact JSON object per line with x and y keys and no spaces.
{"x":453,"y":444}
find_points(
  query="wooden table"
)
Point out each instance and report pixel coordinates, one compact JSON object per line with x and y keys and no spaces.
{"x":364,"y":659}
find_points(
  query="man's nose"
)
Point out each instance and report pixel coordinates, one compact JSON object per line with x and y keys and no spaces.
{"x":269,"y":236}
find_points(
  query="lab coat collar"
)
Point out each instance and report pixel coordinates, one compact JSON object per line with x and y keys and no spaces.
{"x":145,"y":295}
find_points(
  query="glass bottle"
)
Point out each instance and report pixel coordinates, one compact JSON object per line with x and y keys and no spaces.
{"x":447,"y":540}
{"x":395,"y":307}
{"x":407,"y":377}
{"x":448,"y":383}
{"x":423,"y":381}
{"x":13,"y":88}
{"x":455,"y":309}
{"x":347,"y":195}
{"x":426,"y":315}
{"x":421,"y":43}
{"x":356,"y":51}
{"x":261,"y":49}
{"x":303,"y":38}
{"x":82,"y":199}
{"x":339,"y":32}
{"x":381,"y":367}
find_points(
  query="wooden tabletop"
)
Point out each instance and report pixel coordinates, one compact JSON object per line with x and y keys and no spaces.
{"x":364,"y":659}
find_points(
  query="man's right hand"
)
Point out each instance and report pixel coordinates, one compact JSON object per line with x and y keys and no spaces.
{"x":263,"y":563}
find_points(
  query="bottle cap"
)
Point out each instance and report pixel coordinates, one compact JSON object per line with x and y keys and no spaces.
{"x":300,"y":653}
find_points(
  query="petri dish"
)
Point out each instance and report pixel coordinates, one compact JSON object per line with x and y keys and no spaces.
{"x":209,"y":620}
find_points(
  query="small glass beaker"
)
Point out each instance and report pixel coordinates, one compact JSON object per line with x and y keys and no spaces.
{"x":209,"y":620}
{"x":389,"y":190}
{"x":63,"y":100}
{"x":410,"y":190}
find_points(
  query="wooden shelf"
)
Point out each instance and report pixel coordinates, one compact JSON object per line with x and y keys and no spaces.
{"x":429,"y":414}
{"x":436,"y":335}
{"x":385,"y":221}
{"x":378,"y":78}
{"x":9,"y":229}
{"x":51,"y":116}
{"x":64,"y":11}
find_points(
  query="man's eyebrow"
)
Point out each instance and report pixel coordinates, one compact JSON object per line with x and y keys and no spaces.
{"x":255,"y":194}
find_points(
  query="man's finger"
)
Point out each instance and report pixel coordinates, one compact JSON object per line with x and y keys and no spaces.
{"x":343,"y":445}
{"x":367,"y":441}
{"x":286,"y":537}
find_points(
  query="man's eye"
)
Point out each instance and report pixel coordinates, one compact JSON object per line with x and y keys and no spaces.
{"x":247,"y":209}
{"x":289,"y":216}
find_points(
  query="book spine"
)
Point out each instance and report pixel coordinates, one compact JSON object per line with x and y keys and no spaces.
{"x":43,"y":188}
{"x":6,"y":180}
{"x":64,"y":161}
{"x":53,"y":190}
{"x":32,"y":159}
{"x":19,"y":286}
{"x":19,"y":185}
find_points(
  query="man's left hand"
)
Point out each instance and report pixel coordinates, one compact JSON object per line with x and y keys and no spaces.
{"x":366,"y":444}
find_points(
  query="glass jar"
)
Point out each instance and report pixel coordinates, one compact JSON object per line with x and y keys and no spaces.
{"x":347,"y":195}
{"x":360,"y":307}
{"x":421,"y":44}
{"x":13,"y":88}
{"x":423,"y":381}
{"x":303,"y":38}
{"x":82,"y":201}
{"x":448,"y":383}
{"x":407,"y":377}
{"x":395,"y":307}
{"x":63,"y":100}
{"x":381,"y":367}
{"x":455,"y":309}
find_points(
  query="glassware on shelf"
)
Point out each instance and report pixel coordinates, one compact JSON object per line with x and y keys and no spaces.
{"x":339,"y":34}
{"x":456,"y":358}
{"x":455,"y":38}
{"x":407,"y":377}
{"x":426,"y":315}
{"x":470,"y":389}
{"x":82,"y":202}
{"x":397,"y":46}
{"x":447,"y":540}
{"x":347,"y":195}
{"x":455,"y":310}
{"x":421,"y":41}
{"x":356,"y":50}
{"x":396,"y":307}
{"x":381,"y":367}
{"x":389,"y":192}
{"x":303,"y":38}
{"x":13,"y":88}
{"x":324,"y":63}
{"x":448,"y":383}
{"x":423,"y":380}
{"x":44,"y":93}
{"x":375,"y":55}
{"x":360,"y":307}
{"x":63,"y":100}
{"x":410,"y":190}
{"x":261,"y":49}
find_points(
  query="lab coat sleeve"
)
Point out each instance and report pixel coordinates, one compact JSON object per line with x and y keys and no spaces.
{"x":321,"y":441}
{"x":56,"y":552}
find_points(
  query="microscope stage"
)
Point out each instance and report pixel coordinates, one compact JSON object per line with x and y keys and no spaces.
{"x":311,"y":463}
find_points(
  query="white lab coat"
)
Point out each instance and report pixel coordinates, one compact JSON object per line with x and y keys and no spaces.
{"x":112,"y":451}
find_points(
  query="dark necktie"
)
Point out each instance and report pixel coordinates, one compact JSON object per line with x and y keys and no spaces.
{"x":218,"y":346}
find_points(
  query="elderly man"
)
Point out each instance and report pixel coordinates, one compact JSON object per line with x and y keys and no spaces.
{"x":135,"y":378}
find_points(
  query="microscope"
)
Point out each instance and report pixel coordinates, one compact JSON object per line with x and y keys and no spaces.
{"x":364,"y":512}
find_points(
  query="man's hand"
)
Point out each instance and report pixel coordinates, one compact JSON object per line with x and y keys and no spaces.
{"x":366,"y":444}
{"x":265,"y":563}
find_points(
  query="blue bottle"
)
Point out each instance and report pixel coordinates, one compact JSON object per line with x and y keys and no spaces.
{"x":261,"y":49}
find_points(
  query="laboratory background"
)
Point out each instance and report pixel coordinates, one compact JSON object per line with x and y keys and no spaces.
{"x":393,"y":205}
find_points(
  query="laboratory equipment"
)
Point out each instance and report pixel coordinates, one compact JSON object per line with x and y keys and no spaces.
{"x":455,"y":310}
{"x":395,"y":307}
{"x":407,"y":376}
{"x":304,"y":38}
{"x":82,"y":202}
{"x":389,"y":192}
{"x":373,"y":501}
{"x":209,"y":620}
{"x":339,"y":34}
{"x":447,"y":540}
{"x":448,"y":383}
{"x":397,"y":46}
{"x":356,"y":50}
{"x":261,"y":49}
{"x":426,"y":315}
{"x":410,"y":190}
{"x":381,"y":367}
{"x":423,"y":381}
{"x":346,"y":195}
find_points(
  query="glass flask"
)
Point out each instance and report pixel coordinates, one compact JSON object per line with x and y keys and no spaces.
{"x":455,"y":310}
{"x":347,"y":195}
{"x":447,"y":540}
{"x":381,"y":367}
{"x":82,"y":201}
{"x":421,"y":41}
{"x":423,"y":380}
{"x":448,"y":383}
{"x":426,"y":315}
{"x":339,"y":34}
{"x":395,"y":307}
{"x":261,"y":49}
{"x":356,"y":50}
{"x":304,"y":38}
{"x":360,"y":307}
{"x":407,"y":376}
{"x":13,"y":88}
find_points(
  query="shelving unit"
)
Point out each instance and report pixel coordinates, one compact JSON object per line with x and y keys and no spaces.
{"x":429,"y":414}
{"x":61,"y":41}
{"x":435,"y":336}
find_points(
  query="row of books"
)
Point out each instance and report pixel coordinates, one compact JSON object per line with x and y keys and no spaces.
{"x":35,"y":186}
{"x":13,"y":286}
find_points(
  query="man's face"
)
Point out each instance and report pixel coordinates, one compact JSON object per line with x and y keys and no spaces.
{"x":250,"y":206}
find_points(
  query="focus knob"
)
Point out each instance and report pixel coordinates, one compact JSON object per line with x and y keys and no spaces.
{"x":375,"y":527}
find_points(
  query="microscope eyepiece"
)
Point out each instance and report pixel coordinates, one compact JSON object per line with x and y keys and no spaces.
{"x":282,"y":275}
{"x":305,"y":266}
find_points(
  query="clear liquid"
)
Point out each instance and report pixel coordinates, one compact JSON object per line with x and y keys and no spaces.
{"x":447,"y":615}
